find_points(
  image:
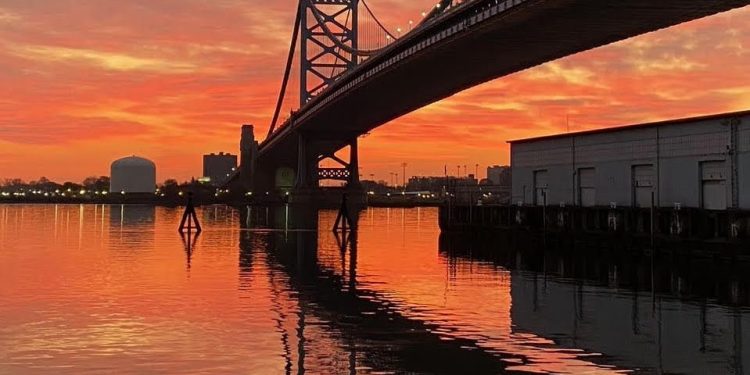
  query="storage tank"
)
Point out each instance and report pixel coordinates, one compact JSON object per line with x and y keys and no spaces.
{"x":133,"y":175}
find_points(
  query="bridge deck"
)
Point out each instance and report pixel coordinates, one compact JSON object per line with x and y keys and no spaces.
{"x":465,"y":49}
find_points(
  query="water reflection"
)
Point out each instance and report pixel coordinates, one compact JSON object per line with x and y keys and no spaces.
{"x":376,"y":336}
{"x":189,"y":239}
{"x":102,"y":289}
{"x":131,"y":227}
{"x":131,"y":216}
{"x":664,"y":312}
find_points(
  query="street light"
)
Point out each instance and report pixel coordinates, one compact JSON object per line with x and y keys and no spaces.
{"x":403,"y":166}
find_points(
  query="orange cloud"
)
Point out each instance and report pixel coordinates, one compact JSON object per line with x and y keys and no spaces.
{"x":105,"y":60}
{"x":84,"y":84}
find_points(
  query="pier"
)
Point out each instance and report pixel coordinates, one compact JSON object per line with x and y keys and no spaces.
{"x":726,"y":227}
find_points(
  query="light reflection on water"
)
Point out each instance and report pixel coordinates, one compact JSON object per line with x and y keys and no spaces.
{"x":101,"y":289}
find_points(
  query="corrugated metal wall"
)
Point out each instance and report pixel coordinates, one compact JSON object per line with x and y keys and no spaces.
{"x":704,"y":163}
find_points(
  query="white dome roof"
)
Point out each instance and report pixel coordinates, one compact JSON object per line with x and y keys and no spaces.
{"x":133,"y":161}
{"x":133,"y":175}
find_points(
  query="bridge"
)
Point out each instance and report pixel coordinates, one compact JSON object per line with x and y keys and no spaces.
{"x":350,"y":86}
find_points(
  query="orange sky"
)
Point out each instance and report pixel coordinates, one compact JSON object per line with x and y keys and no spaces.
{"x":83,"y":83}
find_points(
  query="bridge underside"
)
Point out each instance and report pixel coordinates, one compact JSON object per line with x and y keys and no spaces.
{"x":528,"y":34}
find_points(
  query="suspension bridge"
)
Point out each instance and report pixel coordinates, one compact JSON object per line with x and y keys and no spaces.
{"x":354,"y":74}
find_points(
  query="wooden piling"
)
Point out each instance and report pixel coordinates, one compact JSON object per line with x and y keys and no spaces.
{"x":343,"y":219}
{"x":189,"y":218}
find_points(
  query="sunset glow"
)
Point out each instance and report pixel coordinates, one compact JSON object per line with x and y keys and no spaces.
{"x":84,"y":83}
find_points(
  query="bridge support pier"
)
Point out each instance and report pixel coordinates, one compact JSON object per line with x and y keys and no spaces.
{"x":308,"y":190}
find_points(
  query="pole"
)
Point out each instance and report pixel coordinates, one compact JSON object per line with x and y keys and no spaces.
{"x":544,"y":211}
{"x":445,"y":188}
{"x":652,"y":221}
{"x":544,"y":218}
{"x":403,"y":166}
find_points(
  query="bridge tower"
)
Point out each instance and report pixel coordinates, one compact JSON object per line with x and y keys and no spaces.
{"x":326,"y":32}
{"x":328,"y":48}
{"x":322,"y":60}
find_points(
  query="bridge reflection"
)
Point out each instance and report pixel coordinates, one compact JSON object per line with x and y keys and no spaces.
{"x":567,"y":310}
{"x":372,"y":333}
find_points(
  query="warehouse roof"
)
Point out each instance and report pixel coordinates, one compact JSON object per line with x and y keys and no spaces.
{"x":636,"y":126}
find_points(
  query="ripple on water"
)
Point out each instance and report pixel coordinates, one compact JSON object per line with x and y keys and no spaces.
{"x":97,"y":289}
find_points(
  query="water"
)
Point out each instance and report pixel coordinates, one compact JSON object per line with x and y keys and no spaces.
{"x":111,"y":289}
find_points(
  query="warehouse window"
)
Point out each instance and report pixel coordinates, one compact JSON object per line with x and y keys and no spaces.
{"x":644,"y":181}
{"x":540,"y":187}
{"x":587,"y":187}
{"x":714,"y":185}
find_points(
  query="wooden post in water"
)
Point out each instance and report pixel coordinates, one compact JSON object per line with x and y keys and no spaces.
{"x":343,"y":218}
{"x":189,"y":218}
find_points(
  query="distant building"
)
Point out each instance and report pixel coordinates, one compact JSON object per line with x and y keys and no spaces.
{"x":438,"y":183}
{"x":701,"y":162}
{"x":133,"y":175}
{"x":499,"y":175}
{"x":218,"y":167}
{"x":460,"y":189}
{"x":376,"y":187}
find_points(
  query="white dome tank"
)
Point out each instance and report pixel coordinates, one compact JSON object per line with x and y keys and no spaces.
{"x":133,"y":175}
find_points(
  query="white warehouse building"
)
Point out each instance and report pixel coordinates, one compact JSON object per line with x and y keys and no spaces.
{"x":133,"y":175}
{"x":701,"y":162}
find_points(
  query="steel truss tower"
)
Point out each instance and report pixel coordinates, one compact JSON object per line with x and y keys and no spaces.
{"x":323,"y":60}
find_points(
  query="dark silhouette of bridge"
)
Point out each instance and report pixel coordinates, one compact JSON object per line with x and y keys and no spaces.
{"x":349,"y":87}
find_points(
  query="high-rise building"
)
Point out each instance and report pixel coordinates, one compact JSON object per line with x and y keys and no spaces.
{"x":218,"y":167}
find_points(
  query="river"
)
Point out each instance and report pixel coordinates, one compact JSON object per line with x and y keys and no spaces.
{"x":96,"y":289}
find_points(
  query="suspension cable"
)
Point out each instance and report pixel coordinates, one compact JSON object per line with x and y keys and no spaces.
{"x":322,"y":23}
{"x":377,"y":21}
{"x":339,"y":44}
{"x":287,"y":71}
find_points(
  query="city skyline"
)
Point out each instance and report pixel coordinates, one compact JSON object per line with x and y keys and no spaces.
{"x":75,"y":99}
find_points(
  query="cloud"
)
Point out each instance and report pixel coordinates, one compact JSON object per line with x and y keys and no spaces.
{"x":172,"y":80}
{"x":107,"y":60}
{"x":666,"y":63}
{"x":8,"y":17}
{"x":557,"y":72}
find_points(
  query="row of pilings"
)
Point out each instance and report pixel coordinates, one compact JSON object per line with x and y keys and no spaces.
{"x":646,"y":224}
